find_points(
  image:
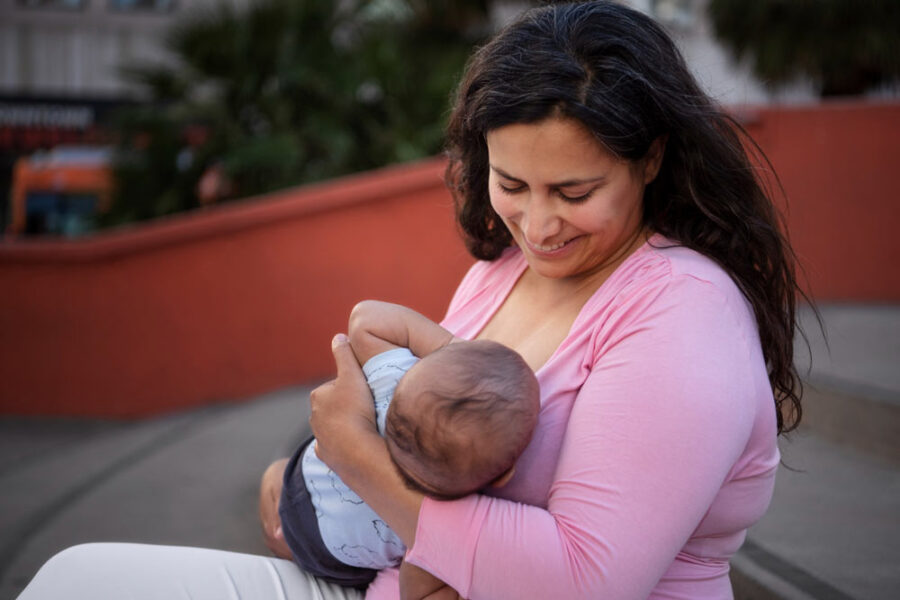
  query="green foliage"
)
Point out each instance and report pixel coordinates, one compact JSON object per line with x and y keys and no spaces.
{"x":845,"y":46}
{"x":291,"y":91}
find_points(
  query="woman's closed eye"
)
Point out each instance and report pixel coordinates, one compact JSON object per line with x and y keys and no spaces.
{"x":511,"y":189}
{"x":572,"y":198}
{"x":576,"y":198}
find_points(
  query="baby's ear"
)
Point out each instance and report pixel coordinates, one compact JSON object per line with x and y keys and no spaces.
{"x":504,"y":478}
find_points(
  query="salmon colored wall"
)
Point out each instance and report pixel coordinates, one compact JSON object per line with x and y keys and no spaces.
{"x":222,"y":304}
{"x":239,"y":299}
{"x":839,"y":164}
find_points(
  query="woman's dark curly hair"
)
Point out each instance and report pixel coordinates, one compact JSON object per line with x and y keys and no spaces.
{"x":618,"y":73}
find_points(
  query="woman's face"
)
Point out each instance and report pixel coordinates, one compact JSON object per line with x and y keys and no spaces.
{"x":572,"y":207}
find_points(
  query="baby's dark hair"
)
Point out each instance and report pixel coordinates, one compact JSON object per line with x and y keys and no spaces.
{"x":481,"y":403}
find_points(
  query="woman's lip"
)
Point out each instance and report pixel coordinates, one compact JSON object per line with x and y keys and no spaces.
{"x":553,"y":248}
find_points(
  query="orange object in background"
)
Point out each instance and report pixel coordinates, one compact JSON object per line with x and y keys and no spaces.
{"x":61,"y":191}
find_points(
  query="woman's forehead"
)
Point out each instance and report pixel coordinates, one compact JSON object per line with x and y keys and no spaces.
{"x":551,"y":148}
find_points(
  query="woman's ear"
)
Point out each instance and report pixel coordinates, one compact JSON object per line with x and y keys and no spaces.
{"x":654,"y":157}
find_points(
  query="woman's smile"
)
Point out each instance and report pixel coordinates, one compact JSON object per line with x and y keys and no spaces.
{"x":551,"y":249}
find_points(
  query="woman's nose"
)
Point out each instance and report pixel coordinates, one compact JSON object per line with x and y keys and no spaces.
{"x":539,"y":220}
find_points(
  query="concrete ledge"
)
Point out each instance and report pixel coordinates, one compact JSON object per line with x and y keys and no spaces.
{"x":753,"y":582}
{"x":758,"y":574}
{"x":232,"y":217}
{"x":866,"y":424}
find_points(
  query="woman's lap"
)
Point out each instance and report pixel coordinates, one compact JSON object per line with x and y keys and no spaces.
{"x":148,"y":572}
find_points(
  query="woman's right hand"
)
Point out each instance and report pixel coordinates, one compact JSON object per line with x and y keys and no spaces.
{"x":342,"y":417}
{"x":342,"y":411}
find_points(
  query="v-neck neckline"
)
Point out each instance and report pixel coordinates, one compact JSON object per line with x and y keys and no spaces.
{"x":500,"y":296}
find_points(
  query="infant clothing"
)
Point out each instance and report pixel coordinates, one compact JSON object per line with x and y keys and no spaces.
{"x":331,"y":532}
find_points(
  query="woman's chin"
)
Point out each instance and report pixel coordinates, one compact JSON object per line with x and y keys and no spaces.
{"x":559,"y":263}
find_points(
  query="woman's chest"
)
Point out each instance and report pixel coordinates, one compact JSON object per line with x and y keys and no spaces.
{"x":532,"y":323}
{"x":533,"y":335}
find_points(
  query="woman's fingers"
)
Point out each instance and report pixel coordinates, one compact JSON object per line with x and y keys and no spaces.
{"x":344,"y":359}
{"x":340,"y":409}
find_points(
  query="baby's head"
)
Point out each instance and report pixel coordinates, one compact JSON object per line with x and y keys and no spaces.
{"x":461,"y":416}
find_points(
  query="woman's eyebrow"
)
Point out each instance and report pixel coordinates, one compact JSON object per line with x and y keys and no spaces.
{"x":561,"y":184}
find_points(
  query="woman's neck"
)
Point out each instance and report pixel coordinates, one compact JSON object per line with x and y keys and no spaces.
{"x":583,"y":285}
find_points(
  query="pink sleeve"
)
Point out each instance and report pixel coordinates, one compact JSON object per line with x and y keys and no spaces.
{"x":663,"y":416}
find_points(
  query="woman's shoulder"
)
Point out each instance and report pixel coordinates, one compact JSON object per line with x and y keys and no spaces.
{"x":664,"y":263}
{"x":666,"y":296}
{"x":665,"y":277}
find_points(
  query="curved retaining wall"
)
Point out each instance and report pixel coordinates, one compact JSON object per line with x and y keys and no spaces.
{"x":221,"y":304}
{"x":243,"y":298}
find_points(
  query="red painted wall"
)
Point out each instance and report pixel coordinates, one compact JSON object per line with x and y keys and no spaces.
{"x":222,"y":304}
{"x":242,"y":298}
{"x":839,"y":164}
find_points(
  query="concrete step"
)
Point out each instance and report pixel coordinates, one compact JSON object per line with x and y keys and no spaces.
{"x":189,"y":479}
{"x":832,"y":530}
{"x":851,"y":369}
{"x":847,"y":418}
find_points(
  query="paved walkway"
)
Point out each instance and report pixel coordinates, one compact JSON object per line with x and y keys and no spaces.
{"x":188,"y":479}
{"x":861,"y":357}
{"x":833,"y":531}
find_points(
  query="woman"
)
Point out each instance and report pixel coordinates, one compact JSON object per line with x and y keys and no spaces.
{"x":630,"y":255}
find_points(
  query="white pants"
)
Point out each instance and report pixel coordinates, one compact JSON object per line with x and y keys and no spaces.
{"x":145,"y":572}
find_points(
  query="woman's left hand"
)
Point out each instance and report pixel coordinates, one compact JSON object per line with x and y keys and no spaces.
{"x":342,"y":410}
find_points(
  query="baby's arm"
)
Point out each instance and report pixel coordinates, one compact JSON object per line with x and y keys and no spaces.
{"x":376,"y":327}
{"x":419,"y":584}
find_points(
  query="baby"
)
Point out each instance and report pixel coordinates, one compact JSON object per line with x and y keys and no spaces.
{"x":455,"y":414}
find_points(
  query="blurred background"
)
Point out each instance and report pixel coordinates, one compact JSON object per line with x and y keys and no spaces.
{"x":194,"y":193}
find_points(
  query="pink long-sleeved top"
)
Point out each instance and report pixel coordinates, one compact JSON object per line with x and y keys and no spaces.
{"x":655,"y":449}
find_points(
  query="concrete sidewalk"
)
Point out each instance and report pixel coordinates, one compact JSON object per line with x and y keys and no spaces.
{"x":187,"y":479}
{"x":833,"y":531}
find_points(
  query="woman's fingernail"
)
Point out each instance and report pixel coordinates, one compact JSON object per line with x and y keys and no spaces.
{"x":339,"y":339}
